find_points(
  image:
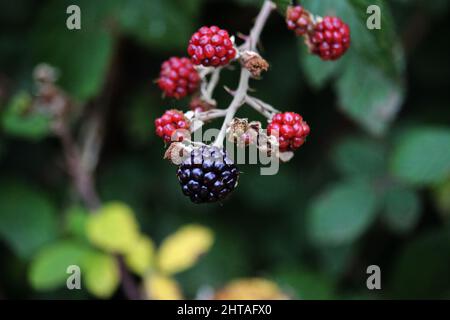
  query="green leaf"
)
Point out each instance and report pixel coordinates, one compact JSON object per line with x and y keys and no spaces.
{"x":75,"y":222}
{"x":402,"y":209}
{"x":306,"y":283}
{"x":317,"y":71}
{"x":48,"y":270}
{"x":368,"y":96}
{"x":342,"y":213}
{"x":370,"y":75}
{"x":421,"y":270}
{"x":27,"y":218}
{"x":162,"y":24}
{"x":422,"y":156}
{"x":359,"y":157}
{"x":82,"y":56}
{"x":386,"y":54}
{"x":20,"y":120}
{"x":102,"y":275}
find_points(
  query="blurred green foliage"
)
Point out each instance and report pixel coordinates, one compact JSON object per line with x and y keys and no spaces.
{"x":370,"y":186}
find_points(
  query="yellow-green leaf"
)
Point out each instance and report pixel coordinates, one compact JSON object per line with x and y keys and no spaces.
{"x":160,"y":287}
{"x":113,"y":228}
{"x":48,"y":269}
{"x":140,"y":258}
{"x":101,"y":274}
{"x":182,"y":249}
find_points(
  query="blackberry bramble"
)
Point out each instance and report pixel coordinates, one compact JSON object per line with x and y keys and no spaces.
{"x":298,"y":20}
{"x":178,"y":78}
{"x":211,"y":46}
{"x":207,"y":175}
{"x":330,"y":38}
{"x":290,"y":129}
{"x":172,"y":126}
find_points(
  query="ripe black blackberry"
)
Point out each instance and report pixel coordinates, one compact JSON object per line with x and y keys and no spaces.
{"x":207,"y":175}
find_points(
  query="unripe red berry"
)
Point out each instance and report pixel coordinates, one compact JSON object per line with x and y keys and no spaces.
{"x":211,"y":46}
{"x":290,"y":129}
{"x":172,"y":126}
{"x":330,"y":38}
{"x":298,"y":20}
{"x":178,"y":78}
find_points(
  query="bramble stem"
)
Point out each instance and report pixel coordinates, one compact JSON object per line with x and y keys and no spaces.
{"x":237,"y":101}
{"x":208,"y":94}
{"x":212,"y":114}
{"x":241,"y":92}
{"x":258,"y":107}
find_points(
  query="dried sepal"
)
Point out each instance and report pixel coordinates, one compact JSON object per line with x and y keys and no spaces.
{"x":242,"y":132}
{"x":177,"y":152}
{"x":267,"y":144}
{"x":254,"y":63}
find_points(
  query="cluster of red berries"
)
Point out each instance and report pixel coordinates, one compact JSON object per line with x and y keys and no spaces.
{"x":327,"y":37}
{"x":211,"y":46}
{"x":298,"y":20}
{"x":290,"y":130}
{"x":172,"y":126}
{"x":207,"y":174}
{"x":178,"y":78}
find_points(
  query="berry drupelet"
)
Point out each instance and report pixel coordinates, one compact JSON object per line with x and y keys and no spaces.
{"x":211,"y":46}
{"x":207,"y":175}
{"x":172,"y":126}
{"x":178,"y":78}
{"x":330,"y":38}
{"x":290,"y":129}
{"x":298,"y":20}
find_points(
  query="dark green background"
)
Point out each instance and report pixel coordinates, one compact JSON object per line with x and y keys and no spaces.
{"x":370,"y":186}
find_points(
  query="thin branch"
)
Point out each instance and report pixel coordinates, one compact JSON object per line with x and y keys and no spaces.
{"x":208,"y":94}
{"x":237,"y":101}
{"x":211,"y":114}
{"x":82,"y":180}
{"x":128,"y":285}
{"x":263,"y":104}
{"x":258,"y":107}
{"x":261,"y":20}
{"x":241,"y":92}
{"x":81,"y":162}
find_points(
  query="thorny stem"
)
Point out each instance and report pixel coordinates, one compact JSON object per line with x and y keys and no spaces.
{"x":241,"y":92}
